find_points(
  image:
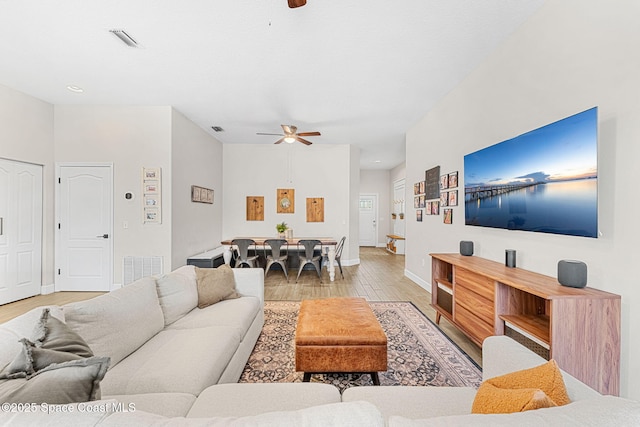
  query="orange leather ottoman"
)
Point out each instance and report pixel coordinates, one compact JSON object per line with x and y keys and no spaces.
{"x":339,"y":335}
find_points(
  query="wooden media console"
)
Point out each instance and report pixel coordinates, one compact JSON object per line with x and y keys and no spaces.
{"x":580,"y":327}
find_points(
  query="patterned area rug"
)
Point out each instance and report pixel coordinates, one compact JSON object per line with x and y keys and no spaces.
{"x":418,"y":353}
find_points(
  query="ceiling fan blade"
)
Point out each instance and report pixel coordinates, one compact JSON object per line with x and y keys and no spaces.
{"x":275,"y":134}
{"x":279,"y":141}
{"x":288,"y":130}
{"x":304,"y":141}
{"x":309,"y":134}
{"x":296,"y":3}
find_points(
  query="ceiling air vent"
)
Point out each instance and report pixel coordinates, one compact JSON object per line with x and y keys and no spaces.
{"x":125,"y":38}
{"x":217,"y":128}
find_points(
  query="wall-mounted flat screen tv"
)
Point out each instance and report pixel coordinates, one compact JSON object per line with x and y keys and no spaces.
{"x":545,"y":180}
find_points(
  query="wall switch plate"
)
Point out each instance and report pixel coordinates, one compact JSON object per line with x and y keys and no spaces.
{"x":125,"y":224}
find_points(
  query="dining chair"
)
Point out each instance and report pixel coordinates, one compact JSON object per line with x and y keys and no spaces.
{"x":277,"y":254}
{"x":339,"y":253}
{"x":241,"y":254}
{"x":308,"y":257}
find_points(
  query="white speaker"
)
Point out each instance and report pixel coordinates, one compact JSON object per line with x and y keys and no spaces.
{"x":572,"y":273}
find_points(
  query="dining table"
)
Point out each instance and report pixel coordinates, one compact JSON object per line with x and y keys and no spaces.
{"x":328,"y":248}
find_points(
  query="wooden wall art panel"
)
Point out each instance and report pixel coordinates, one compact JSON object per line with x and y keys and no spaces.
{"x":315,"y":209}
{"x":285,"y":200}
{"x":255,"y":208}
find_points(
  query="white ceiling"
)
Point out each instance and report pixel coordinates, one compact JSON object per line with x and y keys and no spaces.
{"x":361,"y":72}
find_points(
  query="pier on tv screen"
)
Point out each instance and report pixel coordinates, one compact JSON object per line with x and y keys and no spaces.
{"x":545,"y":180}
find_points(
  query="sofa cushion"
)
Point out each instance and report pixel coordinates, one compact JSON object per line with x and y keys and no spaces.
{"x":68,"y":382}
{"x":118,"y":323}
{"x":238,"y":313}
{"x":23,"y":326}
{"x":596,"y":412}
{"x":354,"y":414}
{"x":215,"y":285}
{"x":414,"y":402}
{"x":165,"y":404}
{"x":230,"y":400}
{"x":177,"y":360}
{"x":78,"y":414}
{"x":546,"y":377}
{"x":177,"y":293}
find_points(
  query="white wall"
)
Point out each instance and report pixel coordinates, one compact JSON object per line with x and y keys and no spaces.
{"x":131,"y":138}
{"x":570,"y":56}
{"x":26,"y":135}
{"x":352,"y":245}
{"x":196,"y":160}
{"x":312,"y":171}
{"x":377,"y":182}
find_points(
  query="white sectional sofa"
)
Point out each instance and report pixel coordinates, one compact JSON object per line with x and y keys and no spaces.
{"x":164,"y":350}
{"x":176,"y":365}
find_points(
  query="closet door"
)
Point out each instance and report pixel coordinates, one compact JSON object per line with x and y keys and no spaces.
{"x":20,"y":230}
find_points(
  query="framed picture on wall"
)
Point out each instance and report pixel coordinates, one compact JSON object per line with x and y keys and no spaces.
{"x":444,"y":198}
{"x":448,"y":216}
{"x":432,"y":190}
{"x":444,"y":182}
{"x":453,"y":179}
{"x":453,"y":198}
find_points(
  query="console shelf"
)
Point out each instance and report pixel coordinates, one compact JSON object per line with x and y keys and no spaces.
{"x":580,"y":327}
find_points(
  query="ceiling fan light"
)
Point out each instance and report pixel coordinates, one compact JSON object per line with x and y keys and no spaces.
{"x":289,"y":139}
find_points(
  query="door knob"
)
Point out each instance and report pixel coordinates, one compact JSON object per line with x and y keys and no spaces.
{"x":104,"y":236}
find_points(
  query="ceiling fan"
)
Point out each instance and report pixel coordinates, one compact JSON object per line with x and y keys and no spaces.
{"x":291,"y":135}
{"x":296,"y":3}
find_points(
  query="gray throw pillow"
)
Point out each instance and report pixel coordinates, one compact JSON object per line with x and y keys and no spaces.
{"x":215,"y":285}
{"x":59,"y":383}
{"x":54,"y":334}
{"x":56,"y":343}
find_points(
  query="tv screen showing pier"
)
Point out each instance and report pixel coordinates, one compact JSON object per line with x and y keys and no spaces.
{"x":545,"y":180}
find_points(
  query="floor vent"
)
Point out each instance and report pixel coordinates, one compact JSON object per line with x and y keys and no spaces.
{"x":137,"y":267}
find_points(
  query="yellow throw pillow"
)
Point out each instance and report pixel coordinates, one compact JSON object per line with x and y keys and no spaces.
{"x":546,"y":378}
{"x":493,"y":400}
{"x":215,"y":285}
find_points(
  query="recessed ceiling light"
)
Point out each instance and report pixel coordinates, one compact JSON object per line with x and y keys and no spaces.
{"x":75,"y":89}
{"x":377,"y":161}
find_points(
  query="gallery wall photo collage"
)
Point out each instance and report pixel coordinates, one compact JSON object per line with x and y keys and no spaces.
{"x":436,"y":193}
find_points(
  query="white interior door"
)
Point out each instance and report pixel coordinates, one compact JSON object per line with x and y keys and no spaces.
{"x":83,"y":247}
{"x":20,"y":230}
{"x":368,"y":219}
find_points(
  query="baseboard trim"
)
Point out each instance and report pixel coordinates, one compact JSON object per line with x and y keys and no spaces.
{"x":416,"y":279}
{"x":47,"y":289}
{"x":350,"y":262}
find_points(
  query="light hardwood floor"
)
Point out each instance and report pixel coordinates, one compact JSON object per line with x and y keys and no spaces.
{"x":378,"y":277}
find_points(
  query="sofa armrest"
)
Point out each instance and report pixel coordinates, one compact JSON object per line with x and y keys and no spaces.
{"x":502,"y":355}
{"x":250,"y":282}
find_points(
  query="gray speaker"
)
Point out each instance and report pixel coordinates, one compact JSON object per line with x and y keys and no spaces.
{"x":572,"y":273}
{"x":510,"y":258}
{"x":466,"y":248}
